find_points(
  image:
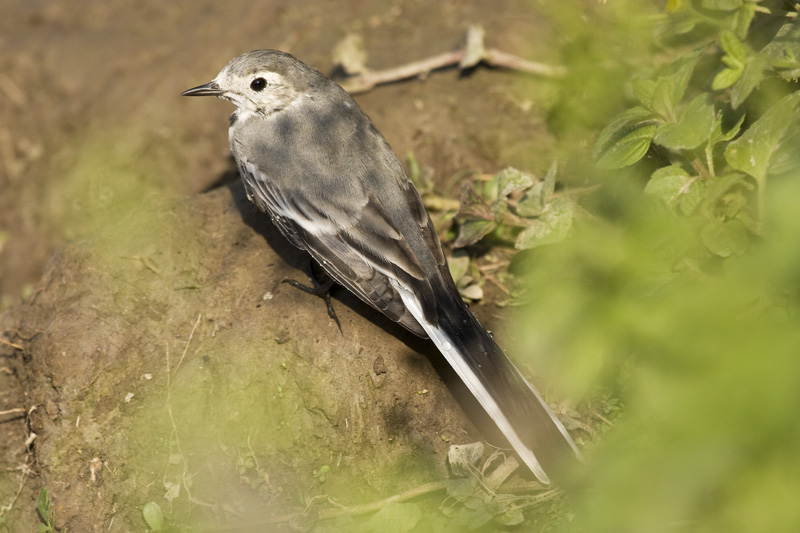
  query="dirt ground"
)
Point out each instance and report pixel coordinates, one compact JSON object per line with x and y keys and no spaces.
{"x":149,"y":351}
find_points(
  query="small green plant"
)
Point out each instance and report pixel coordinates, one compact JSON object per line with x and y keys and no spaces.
{"x":480,"y":493}
{"x":46,"y":514}
{"x":466,"y":275}
{"x":515,"y":207}
{"x":320,"y":474}
{"x":710,"y":168}
{"x":251,"y":472}
{"x":151,"y":512}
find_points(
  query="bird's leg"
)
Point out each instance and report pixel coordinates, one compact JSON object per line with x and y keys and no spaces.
{"x":319,"y":289}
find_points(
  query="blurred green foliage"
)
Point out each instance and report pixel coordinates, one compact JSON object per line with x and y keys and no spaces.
{"x":682,"y":298}
{"x":706,"y":364}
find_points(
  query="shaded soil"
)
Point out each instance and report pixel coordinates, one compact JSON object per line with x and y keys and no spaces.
{"x":146,"y":330}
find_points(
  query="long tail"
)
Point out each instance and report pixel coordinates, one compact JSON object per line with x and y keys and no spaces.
{"x":530,"y":426}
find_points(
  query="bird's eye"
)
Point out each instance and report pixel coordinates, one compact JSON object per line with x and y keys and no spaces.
{"x":258,"y":84}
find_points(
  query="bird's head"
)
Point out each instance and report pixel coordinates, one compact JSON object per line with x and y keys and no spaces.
{"x":260,"y":82}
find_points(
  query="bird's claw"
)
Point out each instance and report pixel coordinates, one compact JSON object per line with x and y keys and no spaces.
{"x":319,"y":289}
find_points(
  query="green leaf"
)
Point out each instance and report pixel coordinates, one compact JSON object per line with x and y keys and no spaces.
{"x":787,"y":157}
{"x":510,"y":180}
{"x":717,"y":135}
{"x":626,"y":139}
{"x":725,"y":238}
{"x":790,"y":74}
{"x":533,"y":202}
{"x":43,"y":505}
{"x":736,"y":57}
{"x":668,"y":183}
{"x":721,"y":185}
{"x":684,"y":21}
{"x":488,"y":190}
{"x":784,"y":49}
{"x":398,"y":517}
{"x":512,"y":517}
{"x":753,"y":150}
{"x":692,"y":197}
{"x":552,"y":226}
{"x":663,"y":101}
{"x":475,"y":207}
{"x":549,"y":185}
{"x":153,"y":516}
{"x":671,"y":84}
{"x":732,"y":46}
{"x":676,"y":188}
{"x":478,"y":517}
{"x":462,"y":488}
{"x":752,"y":74}
{"x":725,"y":78}
{"x":499,"y":209}
{"x":744,"y":17}
{"x":721,"y":5}
{"x":414,"y":173}
{"x":471,"y":231}
{"x":643,"y":90}
{"x":693,"y":127}
{"x":458,"y":264}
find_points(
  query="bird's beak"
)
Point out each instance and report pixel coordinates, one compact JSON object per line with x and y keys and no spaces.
{"x":209,"y":89}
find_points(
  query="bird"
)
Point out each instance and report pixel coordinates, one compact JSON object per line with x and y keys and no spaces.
{"x":313,"y":161}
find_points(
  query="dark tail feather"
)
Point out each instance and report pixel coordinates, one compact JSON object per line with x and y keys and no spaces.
{"x":533,"y":430}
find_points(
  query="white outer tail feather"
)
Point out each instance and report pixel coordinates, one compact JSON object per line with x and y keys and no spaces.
{"x":479,"y":390}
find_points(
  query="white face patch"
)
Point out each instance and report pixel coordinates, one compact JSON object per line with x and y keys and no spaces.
{"x":252,"y":95}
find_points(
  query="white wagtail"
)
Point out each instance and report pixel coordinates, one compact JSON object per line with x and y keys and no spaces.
{"x":313,"y":161}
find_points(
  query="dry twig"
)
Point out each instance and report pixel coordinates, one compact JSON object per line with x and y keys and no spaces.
{"x":327,"y":514}
{"x":350,"y":56}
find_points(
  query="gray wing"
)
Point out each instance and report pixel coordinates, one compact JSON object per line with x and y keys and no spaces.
{"x":357,"y":243}
{"x":334,"y":187}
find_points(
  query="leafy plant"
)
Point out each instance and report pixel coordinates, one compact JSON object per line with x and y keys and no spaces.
{"x":480,"y":494}
{"x":708,"y":344}
{"x":320,"y":474}
{"x":713,"y":169}
{"x":467,"y":278}
{"x":46,"y":514}
{"x":516,"y":207}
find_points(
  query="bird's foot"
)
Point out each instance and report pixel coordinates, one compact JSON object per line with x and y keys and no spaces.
{"x":319,"y":289}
